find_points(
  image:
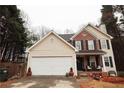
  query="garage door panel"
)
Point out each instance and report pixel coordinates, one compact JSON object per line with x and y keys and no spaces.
{"x":50,"y":66}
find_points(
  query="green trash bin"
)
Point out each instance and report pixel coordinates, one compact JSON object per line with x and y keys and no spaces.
{"x":3,"y":74}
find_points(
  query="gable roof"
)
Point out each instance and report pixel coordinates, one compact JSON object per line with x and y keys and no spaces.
{"x":100,"y":31}
{"x":85,"y":30}
{"x":97,"y":29}
{"x":66,"y":36}
{"x":46,"y":37}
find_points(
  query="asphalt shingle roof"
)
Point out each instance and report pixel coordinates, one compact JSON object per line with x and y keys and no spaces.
{"x":66,"y":36}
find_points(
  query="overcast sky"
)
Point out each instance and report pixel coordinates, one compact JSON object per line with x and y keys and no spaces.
{"x":60,"y":18}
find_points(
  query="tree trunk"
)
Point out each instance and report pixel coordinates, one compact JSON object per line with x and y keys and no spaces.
{"x":3,"y":52}
{"x":9,"y":55}
{"x":12,"y":54}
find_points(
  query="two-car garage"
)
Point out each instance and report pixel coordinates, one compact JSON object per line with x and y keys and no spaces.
{"x":51,"y":55}
{"x":50,"y":65}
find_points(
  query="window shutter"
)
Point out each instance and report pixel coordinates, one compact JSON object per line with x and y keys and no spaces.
{"x":99,"y":44}
{"x":107,"y":41}
{"x":82,"y":45}
{"x":74,"y":43}
{"x":111,"y":63}
{"x":101,"y":61}
{"x":88,"y":61}
{"x":94,"y":44}
{"x":86,"y":44}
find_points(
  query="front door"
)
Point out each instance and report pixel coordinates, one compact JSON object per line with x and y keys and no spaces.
{"x":93,"y":62}
{"x":80,"y":64}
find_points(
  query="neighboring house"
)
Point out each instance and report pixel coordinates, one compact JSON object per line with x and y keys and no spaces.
{"x":95,"y":49}
{"x":52,"y":55}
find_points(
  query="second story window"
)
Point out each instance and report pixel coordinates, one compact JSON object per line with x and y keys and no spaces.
{"x":90,"y":45}
{"x":103,"y":44}
{"x":78,"y":45}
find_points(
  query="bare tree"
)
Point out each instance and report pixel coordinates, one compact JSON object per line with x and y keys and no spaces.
{"x":68,"y":31}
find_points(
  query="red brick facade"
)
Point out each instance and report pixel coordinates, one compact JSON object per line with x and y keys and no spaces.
{"x":83,"y":35}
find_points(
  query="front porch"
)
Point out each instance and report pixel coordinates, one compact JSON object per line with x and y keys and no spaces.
{"x":89,"y":61}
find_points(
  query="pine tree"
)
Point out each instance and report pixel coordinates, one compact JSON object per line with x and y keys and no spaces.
{"x":13,"y":37}
{"x":109,"y":19}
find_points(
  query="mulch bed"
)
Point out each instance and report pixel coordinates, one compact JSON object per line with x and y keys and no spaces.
{"x":104,"y":82}
{"x":118,"y":80}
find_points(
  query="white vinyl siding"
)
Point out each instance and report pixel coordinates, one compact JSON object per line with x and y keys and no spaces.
{"x":78,"y":45}
{"x":90,"y":45}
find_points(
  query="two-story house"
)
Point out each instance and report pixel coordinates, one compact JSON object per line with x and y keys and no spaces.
{"x":94,"y":49}
{"x":89,"y":49}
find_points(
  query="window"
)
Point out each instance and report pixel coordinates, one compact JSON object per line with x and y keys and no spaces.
{"x":103,"y":44}
{"x":92,"y":59}
{"x":78,"y":45}
{"x":90,"y":45}
{"x":106,"y":60}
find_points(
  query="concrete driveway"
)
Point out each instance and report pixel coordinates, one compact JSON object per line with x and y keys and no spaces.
{"x":45,"y":82}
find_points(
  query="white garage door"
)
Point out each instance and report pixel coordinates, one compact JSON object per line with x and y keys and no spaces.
{"x":50,"y":65}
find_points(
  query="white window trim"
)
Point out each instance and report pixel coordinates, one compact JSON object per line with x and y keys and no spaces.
{"x":78,"y":47}
{"x":91,"y":44}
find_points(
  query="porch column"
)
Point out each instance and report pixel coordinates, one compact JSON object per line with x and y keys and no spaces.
{"x":103,"y":64}
{"x":85,"y":63}
{"x":100,"y":61}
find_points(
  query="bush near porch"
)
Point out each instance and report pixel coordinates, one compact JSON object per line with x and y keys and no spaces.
{"x":106,"y":78}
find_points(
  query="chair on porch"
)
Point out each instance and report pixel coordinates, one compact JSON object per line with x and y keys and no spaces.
{"x":89,"y":68}
{"x":99,"y":67}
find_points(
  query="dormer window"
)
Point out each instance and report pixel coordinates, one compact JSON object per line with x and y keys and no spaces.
{"x":78,"y":45}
